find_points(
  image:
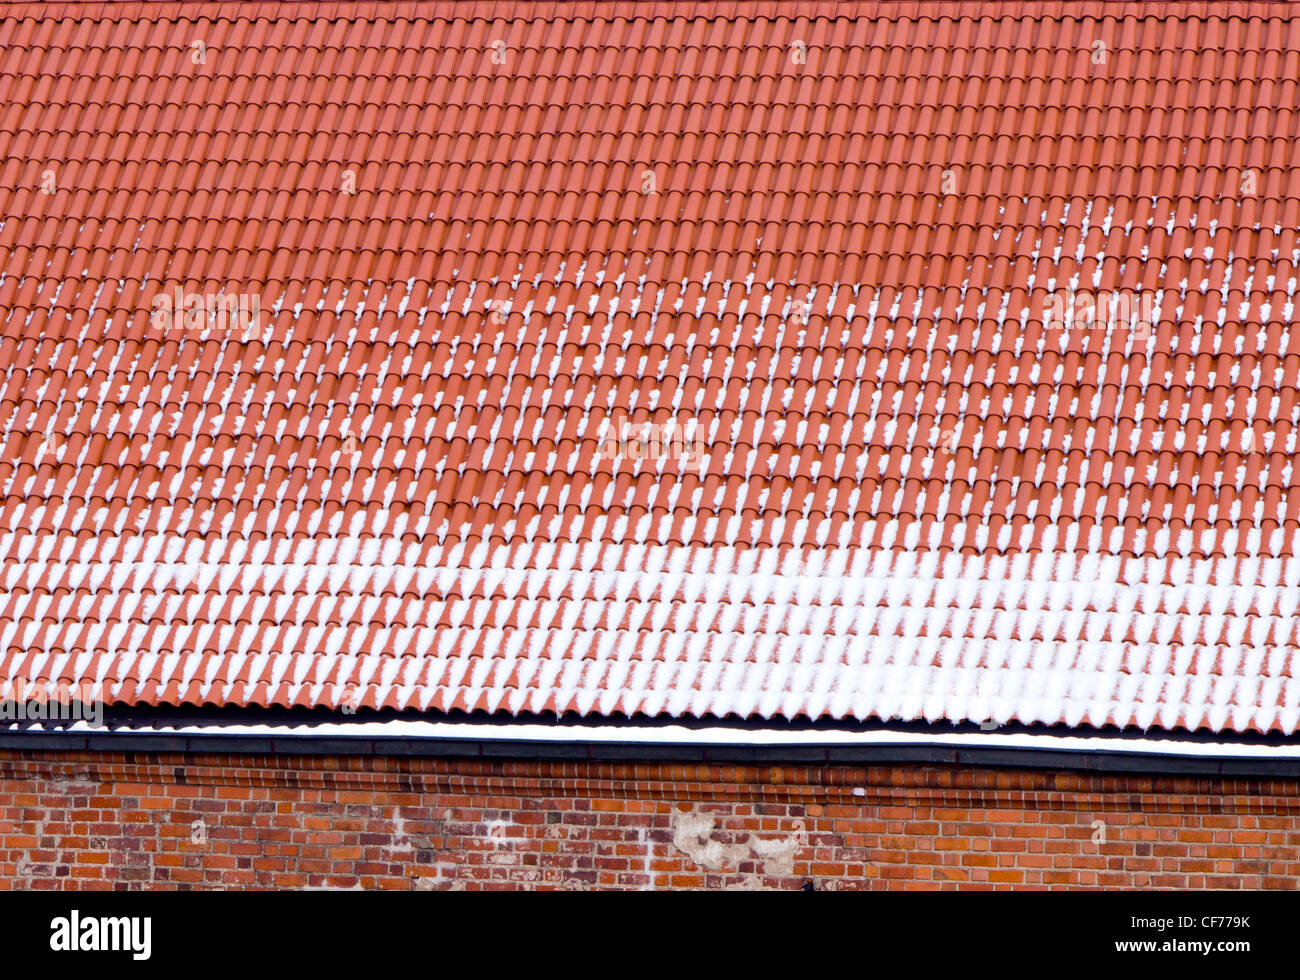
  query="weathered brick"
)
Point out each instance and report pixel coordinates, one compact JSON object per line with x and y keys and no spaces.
{"x":137,"y":821}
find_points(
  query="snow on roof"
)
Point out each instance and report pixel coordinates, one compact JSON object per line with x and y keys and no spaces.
{"x":447,"y":468}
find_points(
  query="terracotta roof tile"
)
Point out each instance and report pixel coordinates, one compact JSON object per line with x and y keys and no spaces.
{"x":666,"y":359}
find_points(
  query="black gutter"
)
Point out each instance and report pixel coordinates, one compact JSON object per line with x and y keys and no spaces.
{"x":1086,"y":760}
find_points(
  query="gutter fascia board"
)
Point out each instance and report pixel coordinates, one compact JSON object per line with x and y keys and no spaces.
{"x":1168,"y":756}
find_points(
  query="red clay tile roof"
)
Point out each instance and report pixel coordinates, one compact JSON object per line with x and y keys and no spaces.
{"x":485,"y":237}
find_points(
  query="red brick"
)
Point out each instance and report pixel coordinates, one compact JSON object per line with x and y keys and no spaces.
{"x":393,"y":823}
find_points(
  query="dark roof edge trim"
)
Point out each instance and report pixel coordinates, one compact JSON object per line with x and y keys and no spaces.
{"x":1015,"y":754}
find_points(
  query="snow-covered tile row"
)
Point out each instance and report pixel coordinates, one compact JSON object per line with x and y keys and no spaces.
{"x":613,"y":629}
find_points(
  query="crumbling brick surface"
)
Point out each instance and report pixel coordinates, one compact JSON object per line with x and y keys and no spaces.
{"x":97,"y":820}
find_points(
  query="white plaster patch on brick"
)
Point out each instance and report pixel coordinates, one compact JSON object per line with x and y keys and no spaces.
{"x":777,"y":853}
{"x":693,"y":836}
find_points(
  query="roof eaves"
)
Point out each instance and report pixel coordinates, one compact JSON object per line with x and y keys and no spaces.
{"x":1100,"y":753}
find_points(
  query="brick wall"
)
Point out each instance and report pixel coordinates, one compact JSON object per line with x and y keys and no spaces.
{"x":98,"y":820}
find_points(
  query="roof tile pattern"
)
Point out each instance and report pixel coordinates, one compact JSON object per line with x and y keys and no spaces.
{"x":631,"y":358}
